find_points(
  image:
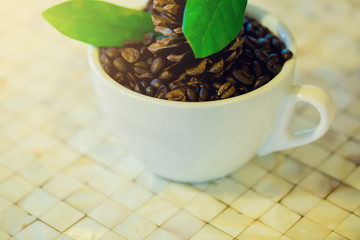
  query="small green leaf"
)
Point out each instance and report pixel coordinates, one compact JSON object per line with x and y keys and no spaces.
{"x":210,"y":25}
{"x":99,"y":23}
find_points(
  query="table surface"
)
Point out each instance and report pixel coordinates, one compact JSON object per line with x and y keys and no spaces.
{"x":64,"y":176}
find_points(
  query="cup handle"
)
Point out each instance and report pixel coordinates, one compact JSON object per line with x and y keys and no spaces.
{"x":281,"y":138}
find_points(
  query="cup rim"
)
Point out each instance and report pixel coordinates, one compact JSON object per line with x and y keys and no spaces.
{"x":263,"y":16}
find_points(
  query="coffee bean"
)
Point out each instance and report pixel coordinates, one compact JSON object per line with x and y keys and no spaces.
{"x":274,"y":66}
{"x":217,"y":67}
{"x":214,"y":98}
{"x":165,"y":76}
{"x":191,"y":94}
{"x":108,"y":69}
{"x":146,"y":77}
{"x":278,"y":45}
{"x":157,"y":65}
{"x":176,"y":95}
{"x":120,"y":64}
{"x":139,"y":88}
{"x":260,"y":81}
{"x":120,"y":77}
{"x":143,"y":84}
{"x":231,"y":57}
{"x":242,"y":88}
{"x":204,"y":92}
{"x":130,"y":55}
{"x":156,"y":83}
{"x":264,"y":42}
{"x":132,"y":79}
{"x":132,"y":44}
{"x":150,"y":60}
{"x":150,"y":91}
{"x":286,"y":54}
{"x":148,"y":38}
{"x":112,"y":52}
{"x":257,"y":69}
{"x":177,"y":57}
{"x":144,"y":51}
{"x":199,"y":69}
{"x":243,"y":76}
{"x":105,"y":59}
{"x":250,"y":43}
{"x":226,"y":90}
{"x":141,"y":68}
{"x":161,"y":93}
{"x":167,"y":68}
{"x":260,"y":55}
{"x":217,"y":84}
{"x":230,"y":79}
{"x":249,"y":54}
{"x":274,"y":56}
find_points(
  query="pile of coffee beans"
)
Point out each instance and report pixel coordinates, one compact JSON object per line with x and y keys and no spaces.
{"x":137,"y":68}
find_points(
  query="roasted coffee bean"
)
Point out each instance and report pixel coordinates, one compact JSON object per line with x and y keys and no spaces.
{"x":120,"y":77}
{"x":274,"y":56}
{"x":166,"y":68}
{"x":270,"y":36}
{"x":156,"y":83}
{"x":214,"y":97}
{"x":141,"y":68}
{"x":165,"y":76}
{"x":105,"y":59}
{"x":144,"y":51}
{"x":249,"y":54}
{"x":274,"y":66}
{"x":157,"y":65}
{"x":112,"y":52}
{"x":264,"y":42}
{"x":260,"y":55}
{"x":120,"y":64}
{"x":146,"y":76}
{"x":130,"y":55}
{"x":139,"y":88}
{"x":242,"y":88}
{"x":204,"y":92}
{"x":150,"y":91}
{"x":278,"y":45}
{"x":148,"y":38}
{"x":176,"y":95}
{"x":143,"y":84}
{"x":231,"y":57}
{"x":217,"y":67}
{"x":286,"y":54}
{"x":108,"y":69}
{"x":191,"y":94}
{"x":199,"y":69}
{"x":249,"y":42}
{"x":243,"y":76}
{"x":177,"y":57}
{"x":230,"y":79}
{"x":261,"y":81}
{"x":161,"y":93}
{"x":132,"y":79}
{"x":132,"y":44}
{"x":150,"y":60}
{"x":226,"y":90}
{"x":257,"y":69}
{"x":217,"y":84}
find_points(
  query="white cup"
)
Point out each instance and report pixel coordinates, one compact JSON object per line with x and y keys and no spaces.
{"x":195,"y":142}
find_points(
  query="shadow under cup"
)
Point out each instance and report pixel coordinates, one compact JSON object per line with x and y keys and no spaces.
{"x":195,"y":142}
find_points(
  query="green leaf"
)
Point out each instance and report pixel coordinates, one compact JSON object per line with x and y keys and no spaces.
{"x":99,"y":23}
{"x":210,"y":25}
